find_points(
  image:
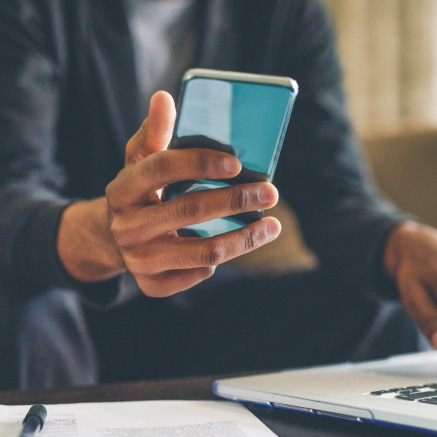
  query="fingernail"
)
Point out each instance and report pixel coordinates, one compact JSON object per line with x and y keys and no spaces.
{"x":231,"y":165}
{"x":273,"y":228}
{"x":266,"y":195}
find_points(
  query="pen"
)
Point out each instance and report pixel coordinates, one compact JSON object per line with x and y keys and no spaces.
{"x":34,"y":421}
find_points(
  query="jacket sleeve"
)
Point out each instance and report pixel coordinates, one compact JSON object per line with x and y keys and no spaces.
{"x":32,"y":72}
{"x":321,"y":172}
{"x":29,"y":178}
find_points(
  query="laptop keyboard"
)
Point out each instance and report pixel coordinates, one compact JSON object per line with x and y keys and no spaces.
{"x":426,"y":393}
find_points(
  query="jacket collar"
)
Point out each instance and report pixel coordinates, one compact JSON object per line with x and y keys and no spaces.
{"x":112,"y":58}
{"x":112,"y":67}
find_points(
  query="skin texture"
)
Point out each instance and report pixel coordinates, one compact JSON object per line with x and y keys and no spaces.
{"x":131,"y":229}
{"x":410,"y":259}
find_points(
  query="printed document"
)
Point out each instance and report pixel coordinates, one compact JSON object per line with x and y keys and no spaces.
{"x":140,"y":418}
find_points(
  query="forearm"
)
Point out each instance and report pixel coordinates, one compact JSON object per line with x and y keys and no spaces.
{"x":322,"y":174}
{"x":350,"y":241}
{"x":85,"y":244}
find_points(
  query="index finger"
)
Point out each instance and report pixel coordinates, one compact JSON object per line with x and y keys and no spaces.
{"x":164,"y":168}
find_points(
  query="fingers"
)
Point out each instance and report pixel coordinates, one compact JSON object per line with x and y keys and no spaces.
{"x":420,"y":304}
{"x":156,"y":131}
{"x":161,"y":169}
{"x":411,"y":259}
{"x":148,"y":223}
{"x":171,"y":282}
{"x":144,"y":229}
{"x":200,"y":253}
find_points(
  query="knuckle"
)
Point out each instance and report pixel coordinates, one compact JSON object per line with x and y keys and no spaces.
{"x":156,"y":165}
{"x":202,"y":163}
{"x":124,"y":236}
{"x":251,"y":240}
{"x":212,"y":255}
{"x":130,"y":232}
{"x":118,"y":233}
{"x":239,"y":198}
{"x":188,"y":210}
{"x":113,"y":199}
{"x":140,"y":264}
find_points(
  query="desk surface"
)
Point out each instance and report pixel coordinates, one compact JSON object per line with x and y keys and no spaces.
{"x":282,"y":422}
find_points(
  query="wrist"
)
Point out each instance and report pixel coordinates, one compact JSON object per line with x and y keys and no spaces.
{"x":85,"y":244}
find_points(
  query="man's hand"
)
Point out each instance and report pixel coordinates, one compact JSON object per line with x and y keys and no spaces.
{"x":132,"y":229}
{"x":410,"y":258}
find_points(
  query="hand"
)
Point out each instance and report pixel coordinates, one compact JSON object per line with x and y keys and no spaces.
{"x":138,"y":232}
{"x":410,"y":258}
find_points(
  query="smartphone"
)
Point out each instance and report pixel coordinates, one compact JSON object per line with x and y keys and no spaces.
{"x":243,"y":114}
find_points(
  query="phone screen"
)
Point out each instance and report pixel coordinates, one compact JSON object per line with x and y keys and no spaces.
{"x":245,"y":119}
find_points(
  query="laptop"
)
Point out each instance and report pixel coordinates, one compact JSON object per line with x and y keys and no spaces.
{"x":400,"y":390}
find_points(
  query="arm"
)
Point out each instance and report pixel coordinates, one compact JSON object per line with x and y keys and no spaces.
{"x":51,"y":241}
{"x":410,"y":259}
{"x":321,"y":172}
{"x":30,"y":181}
{"x":360,"y":238}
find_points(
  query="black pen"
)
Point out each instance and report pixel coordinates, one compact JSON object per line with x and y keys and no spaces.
{"x":34,"y":421}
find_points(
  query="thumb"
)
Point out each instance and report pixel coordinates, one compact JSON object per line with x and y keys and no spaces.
{"x":156,"y":130}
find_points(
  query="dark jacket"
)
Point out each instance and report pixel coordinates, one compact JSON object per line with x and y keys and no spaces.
{"x":68,"y":104}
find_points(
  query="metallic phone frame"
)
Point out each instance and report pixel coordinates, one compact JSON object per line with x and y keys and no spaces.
{"x":241,"y":77}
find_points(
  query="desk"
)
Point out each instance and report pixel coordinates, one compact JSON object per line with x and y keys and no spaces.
{"x":282,"y":422}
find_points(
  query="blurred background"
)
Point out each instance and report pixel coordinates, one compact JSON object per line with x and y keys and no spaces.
{"x":388,"y":50}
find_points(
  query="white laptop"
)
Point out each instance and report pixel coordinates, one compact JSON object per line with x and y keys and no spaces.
{"x":400,"y":390}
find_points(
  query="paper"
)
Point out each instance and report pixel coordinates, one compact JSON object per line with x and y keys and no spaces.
{"x":140,"y":418}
